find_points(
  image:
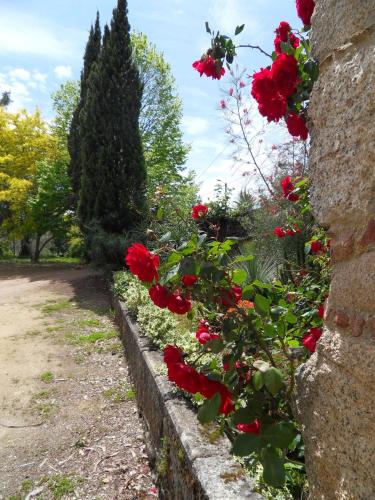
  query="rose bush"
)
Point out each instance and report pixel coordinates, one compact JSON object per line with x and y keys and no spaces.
{"x":256,"y":333}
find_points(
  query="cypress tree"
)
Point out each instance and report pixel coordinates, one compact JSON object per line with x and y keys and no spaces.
{"x":120,"y":202}
{"x":75,"y":138}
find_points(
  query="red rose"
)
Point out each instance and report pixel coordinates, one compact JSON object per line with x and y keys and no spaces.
{"x":290,"y":232}
{"x":189,"y":279}
{"x":311,"y":338}
{"x":179,"y":304}
{"x":305,"y":8}
{"x":203,"y":333}
{"x":317,"y":247}
{"x":210,"y":67}
{"x":199,"y":211}
{"x":283,"y":34}
{"x":321,"y":311}
{"x":271,"y":104}
{"x":285,"y":74}
{"x":297,"y":126}
{"x":273,"y":109}
{"x":279,"y":232}
{"x":159,"y":295}
{"x":186,"y":377}
{"x":263,"y":86}
{"x":231,"y":297}
{"x":208,"y":388}
{"x":172,"y":354}
{"x":288,"y":187}
{"x":283,"y":30}
{"x":142,"y":263}
{"x":253,"y":428}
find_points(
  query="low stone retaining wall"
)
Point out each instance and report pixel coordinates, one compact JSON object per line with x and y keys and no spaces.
{"x":189,"y":466}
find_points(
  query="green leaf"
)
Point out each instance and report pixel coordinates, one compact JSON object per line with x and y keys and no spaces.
{"x":239,"y":29}
{"x":207,"y":27}
{"x":166,"y":237}
{"x":159,"y":214}
{"x":172,"y":273}
{"x":229,"y":57}
{"x":257,"y":380}
{"x":209,"y":410}
{"x":273,"y":467}
{"x":273,"y":380}
{"x":245,"y":444}
{"x":261,"y":365}
{"x":244,"y":415}
{"x":215,"y":345}
{"x":290,"y":318}
{"x":270,"y":330}
{"x":247,"y":292}
{"x":244,"y":258}
{"x":280,"y":435}
{"x":173,"y":258}
{"x":239,"y":276}
{"x":189,"y":266}
{"x":262,"y":305}
{"x":277,"y":311}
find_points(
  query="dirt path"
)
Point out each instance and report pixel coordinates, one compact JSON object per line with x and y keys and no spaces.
{"x":69,"y":426}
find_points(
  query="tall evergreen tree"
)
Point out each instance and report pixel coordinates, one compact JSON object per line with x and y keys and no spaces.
{"x":91,"y":56}
{"x":120,"y":201}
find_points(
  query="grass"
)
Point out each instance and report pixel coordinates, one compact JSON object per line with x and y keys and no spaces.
{"x":45,"y":409}
{"x":61,"y":305}
{"x":92,"y":338}
{"x":60,"y":485}
{"x":42,"y":395}
{"x":26,"y":485}
{"x":88,"y":322}
{"x":42,"y":260}
{"x":47,"y":377}
{"x":113,"y":348}
{"x":120,"y":393}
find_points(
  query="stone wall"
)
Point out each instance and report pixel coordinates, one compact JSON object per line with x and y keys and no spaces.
{"x":336,"y":387}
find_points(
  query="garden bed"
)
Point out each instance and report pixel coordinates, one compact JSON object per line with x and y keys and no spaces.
{"x":192,"y":461}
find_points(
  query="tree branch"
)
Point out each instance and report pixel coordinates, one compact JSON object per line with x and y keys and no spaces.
{"x":254,"y":47}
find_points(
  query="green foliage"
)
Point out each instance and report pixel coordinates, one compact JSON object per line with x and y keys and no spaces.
{"x":170,"y":191}
{"x":160,"y":118}
{"x":48,"y":205}
{"x":160,"y":325}
{"x":65,"y":101}
{"x":260,"y":341}
{"x":78,"y":118}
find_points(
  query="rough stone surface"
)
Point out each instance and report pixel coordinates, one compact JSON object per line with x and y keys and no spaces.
{"x":190,"y":467}
{"x":335,"y":396}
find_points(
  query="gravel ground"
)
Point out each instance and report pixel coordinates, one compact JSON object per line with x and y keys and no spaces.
{"x":69,"y":424}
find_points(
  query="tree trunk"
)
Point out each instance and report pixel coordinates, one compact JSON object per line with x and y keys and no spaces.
{"x":35,"y":255}
{"x":25,"y":250}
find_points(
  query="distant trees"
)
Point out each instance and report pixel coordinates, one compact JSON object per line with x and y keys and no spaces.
{"x":91,"y":57}
{"x":107,"y":164}
{"x":34,"y":186}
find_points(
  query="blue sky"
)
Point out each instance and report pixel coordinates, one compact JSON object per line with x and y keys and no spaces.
{"x":42,"y":44}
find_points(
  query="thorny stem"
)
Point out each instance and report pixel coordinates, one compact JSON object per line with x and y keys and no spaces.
{"x":254,"y":47}
{"x":251,"y":151}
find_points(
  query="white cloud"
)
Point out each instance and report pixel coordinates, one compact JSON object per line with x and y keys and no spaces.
{"x":39,"y":77}
{"x":20,"y":74}
{"x":62,"y":72}
{"x":27,"y":34}
{"x":20,"y":94}
{"x":21,"y":82}
{"x":195,"y":125}
{"x":227,"y":15}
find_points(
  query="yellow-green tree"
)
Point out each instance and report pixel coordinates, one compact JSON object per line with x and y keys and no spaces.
{"x":24,"y":142}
